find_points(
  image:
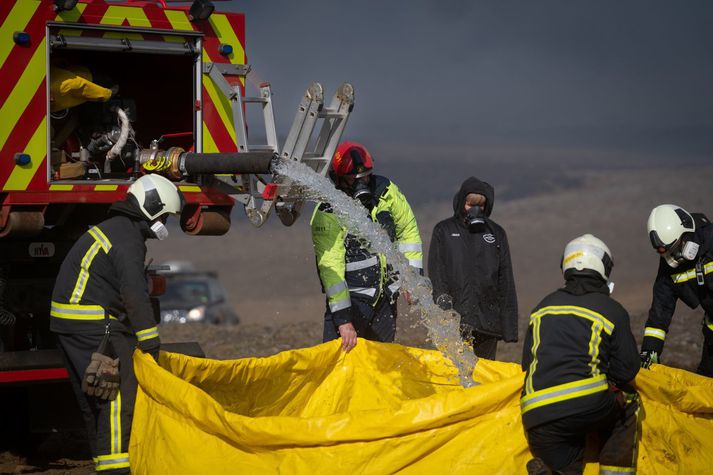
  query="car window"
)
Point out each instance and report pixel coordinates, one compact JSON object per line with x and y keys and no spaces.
{"x":189,"y":292}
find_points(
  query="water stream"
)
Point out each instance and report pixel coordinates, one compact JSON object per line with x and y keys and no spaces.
{"x":442,"y":325}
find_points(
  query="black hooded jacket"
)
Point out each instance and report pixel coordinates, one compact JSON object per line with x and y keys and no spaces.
{"x":103,"y":275}
{"x":474,"y":269}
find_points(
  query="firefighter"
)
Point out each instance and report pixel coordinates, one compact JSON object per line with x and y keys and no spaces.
{"x":685,"y":243}
{"x":579,"y":357}
{"x":361,"y":288}
{"x":470,"y":269}
{"x":101,"y":312}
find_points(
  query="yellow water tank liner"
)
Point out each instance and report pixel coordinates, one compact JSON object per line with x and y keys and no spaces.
{"x":382,"y":408}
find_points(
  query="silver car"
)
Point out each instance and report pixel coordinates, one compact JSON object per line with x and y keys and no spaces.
{"x":195,"y":297}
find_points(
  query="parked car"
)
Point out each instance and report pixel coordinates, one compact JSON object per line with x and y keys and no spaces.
{"x":193,"y":296}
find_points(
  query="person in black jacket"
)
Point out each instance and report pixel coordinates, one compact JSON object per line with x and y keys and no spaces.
{"x":469,"y":267}
{"x":685,"y":243}
{"x":101,"y":311}
{"x":579,"y":356}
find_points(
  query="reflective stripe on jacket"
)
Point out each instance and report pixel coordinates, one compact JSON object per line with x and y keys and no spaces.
{"x":574,"y":343}
{"x":103,"y":279}
{"x":346,"y":268}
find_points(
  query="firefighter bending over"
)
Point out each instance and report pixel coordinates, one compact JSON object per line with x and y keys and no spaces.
{"x":361,"y":287}
{"x":579,"y":356}
{"x":101,"y":312}
{"x":685,"y":243}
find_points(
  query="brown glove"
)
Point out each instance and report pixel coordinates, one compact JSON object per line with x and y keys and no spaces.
{"x":101,"y":378}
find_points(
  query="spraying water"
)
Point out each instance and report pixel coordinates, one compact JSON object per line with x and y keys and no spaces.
{"x":443,"y":326}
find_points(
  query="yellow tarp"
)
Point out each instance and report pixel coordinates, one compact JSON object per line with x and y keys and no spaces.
{"x":382,"y":408}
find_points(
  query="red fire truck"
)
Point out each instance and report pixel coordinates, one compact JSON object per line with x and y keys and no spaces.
{"x":95,"y":93}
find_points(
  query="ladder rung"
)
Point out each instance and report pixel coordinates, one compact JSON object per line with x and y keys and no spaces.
{"x":255,"y":99}
{"x":330,"y":113}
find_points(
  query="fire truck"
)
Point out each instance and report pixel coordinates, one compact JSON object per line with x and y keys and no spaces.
{"x":94,"y":94}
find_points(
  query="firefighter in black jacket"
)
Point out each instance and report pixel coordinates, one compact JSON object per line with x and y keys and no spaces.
{"x":685,"y":243}
{"x":101,"y":311}
{"x":469,"y":267}
{"x":578,"y":354}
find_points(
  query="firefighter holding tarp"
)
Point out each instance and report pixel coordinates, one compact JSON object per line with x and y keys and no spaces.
{"x":685,"y":243}
{"x":361,"y":287}
{"x":579,"y":356}
{"x":101,"y":311}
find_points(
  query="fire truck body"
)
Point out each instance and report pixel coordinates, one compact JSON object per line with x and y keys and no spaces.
{"x":176,"y":76}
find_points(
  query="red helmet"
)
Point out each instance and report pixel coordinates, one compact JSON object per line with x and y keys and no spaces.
{"x":352,"y":159}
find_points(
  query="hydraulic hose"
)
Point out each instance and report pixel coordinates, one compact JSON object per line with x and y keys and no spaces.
{"x":234,"y":163}
{"x":177,"y":163}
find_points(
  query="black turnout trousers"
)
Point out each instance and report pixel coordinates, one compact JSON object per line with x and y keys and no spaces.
{"x":108,"y":423}
{"x":560,"y":443}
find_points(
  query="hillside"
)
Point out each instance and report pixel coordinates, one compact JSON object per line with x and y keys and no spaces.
{"x":270,"y":274}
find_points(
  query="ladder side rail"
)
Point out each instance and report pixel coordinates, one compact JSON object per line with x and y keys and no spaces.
{"x":305,"y":134}
{"x":269,"y":117}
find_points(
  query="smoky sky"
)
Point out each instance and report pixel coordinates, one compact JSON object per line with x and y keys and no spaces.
{"x":620,"y":74}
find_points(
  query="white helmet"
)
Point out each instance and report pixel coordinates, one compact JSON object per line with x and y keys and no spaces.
{"x":587,"y":253}
{"x":666,"y":226}
{"x":156,"y":196}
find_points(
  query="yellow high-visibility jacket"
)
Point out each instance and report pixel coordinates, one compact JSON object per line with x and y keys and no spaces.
{"x":348,"y":270}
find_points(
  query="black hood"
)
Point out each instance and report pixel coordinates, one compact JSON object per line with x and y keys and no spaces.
{"x":584,"y":282}
{"x":473,"y":185}
{"x":129,"y":207}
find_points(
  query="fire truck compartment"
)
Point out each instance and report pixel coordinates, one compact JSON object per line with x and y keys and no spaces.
{"x":155,"y":78}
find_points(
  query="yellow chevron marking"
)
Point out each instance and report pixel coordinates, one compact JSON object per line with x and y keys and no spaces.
{"x":23,"y":92}
{"x":106,"y":187}
{"x":190,"y":188}
{"x":71,"y":16}
{"x":209,"y":145}
{"x":222,"y":105}
{"x":225,"y":34}
{"x":61,"y":187}
{"x":115,"y":15}
{"x":37,"y":148}
{"x":17,"y":20}
{"x":178,"y":20}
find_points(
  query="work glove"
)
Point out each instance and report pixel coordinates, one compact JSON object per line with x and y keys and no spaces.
{"x":101,"y":378}
{"x":648,"y":358}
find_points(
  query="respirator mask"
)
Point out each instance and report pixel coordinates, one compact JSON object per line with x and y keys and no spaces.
{"x":360,"y":190}
{"x":678,"y":254}
{"x":475,"y":219}
{"x":160,"y":230}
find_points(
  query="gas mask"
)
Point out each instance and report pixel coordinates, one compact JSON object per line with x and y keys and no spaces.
{"x":359,"y":190}
{"x":680,"y":253}
{"x":160,"y":230}
{"x":475,"y":219}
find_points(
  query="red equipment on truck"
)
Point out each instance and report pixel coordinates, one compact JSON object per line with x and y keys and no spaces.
{"x":93,"y":94}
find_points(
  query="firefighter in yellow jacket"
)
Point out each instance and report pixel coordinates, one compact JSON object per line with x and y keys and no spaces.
{"x":361,"y":287}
